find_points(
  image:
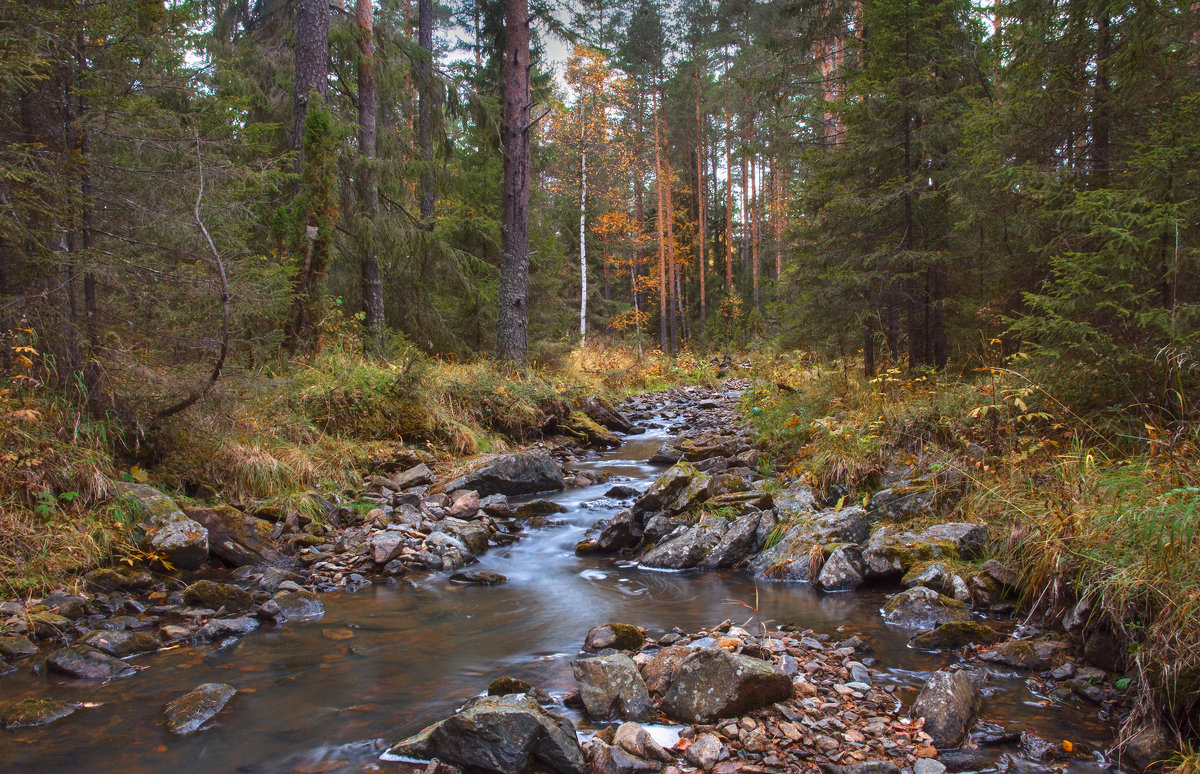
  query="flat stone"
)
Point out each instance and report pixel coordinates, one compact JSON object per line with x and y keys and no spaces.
{"x":611,"y":687}
{"x":87,"y":663}
{"x":189,"y":712}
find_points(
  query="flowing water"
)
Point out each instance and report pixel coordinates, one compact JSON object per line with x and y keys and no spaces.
{"x":389,"y":659}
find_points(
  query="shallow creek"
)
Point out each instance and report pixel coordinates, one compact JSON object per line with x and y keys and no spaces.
{"x":389,"y":659}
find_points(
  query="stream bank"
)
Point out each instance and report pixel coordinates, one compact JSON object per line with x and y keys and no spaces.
{"x":335,"y":686}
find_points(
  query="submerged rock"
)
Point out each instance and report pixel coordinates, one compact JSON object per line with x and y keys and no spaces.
{"x":479,"y":578}
{"x":186,"y":714}
{"x":955,"y":634}
{"x":28,"y":713}
{"x":299,"y":605}
{"x":120,"y":644}
{"x":713,"y":683}
{"x":504,"y":734}
{"x":947,"y":702}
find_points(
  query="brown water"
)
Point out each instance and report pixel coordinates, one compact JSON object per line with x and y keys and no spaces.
{"x":387,"y":660}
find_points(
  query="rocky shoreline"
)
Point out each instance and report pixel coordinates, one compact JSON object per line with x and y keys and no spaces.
{"x":716,"y":507}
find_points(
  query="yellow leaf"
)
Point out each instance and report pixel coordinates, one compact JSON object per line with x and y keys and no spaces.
{"x":1068,"y":746}
{"x":24,"y":415}
{"x":24,"y":361}
{"x":138,"y":475}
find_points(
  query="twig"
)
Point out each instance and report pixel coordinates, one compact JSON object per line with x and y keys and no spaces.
{"x":218,"y":366}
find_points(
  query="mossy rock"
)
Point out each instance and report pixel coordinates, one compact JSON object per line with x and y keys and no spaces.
{"x":503,"y":686}
{"x":582,"y":428}
{"x":620,"y":636}
{"x":956,"y":634}
{"x":923,"y":608}
{"x":206,"y":593}
{"x":28,"y":713}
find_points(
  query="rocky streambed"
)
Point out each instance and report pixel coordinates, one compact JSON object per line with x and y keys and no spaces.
{"x":299,"y":644}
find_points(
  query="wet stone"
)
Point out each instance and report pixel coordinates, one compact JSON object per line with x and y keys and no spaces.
{"x":121,"y":644}
{"x":28,"y":713}
{"x":16,"y":646}
{"x":210,"y":594}
{"x":87,"y":663}
{"x":479,"y":578}
{"x":189,"y":712}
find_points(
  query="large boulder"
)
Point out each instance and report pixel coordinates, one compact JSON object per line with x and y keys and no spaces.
{"x":688,"y":549}
{"x":504,"y":734}
{"x":890,"y":554}
{"x":121,"y":644}
{"x":168,"y":531}
{"x":713,"y":683}
{"x":624,"y":530}
{"x":969,"y":540}
{"x":667,"y":488}
{"x":790,"y":558}
{"x":621,"y":636}
{"x":842,"y":571}
{"x":923,"y":608}
{"x":238,"y":538}
{"x":735,"y":545}
{"x":196,"y":707}
{"x":611,"y":687}
{"x":602,"y":413}
{"x":513,"y":474}
{"x":948,"y":703}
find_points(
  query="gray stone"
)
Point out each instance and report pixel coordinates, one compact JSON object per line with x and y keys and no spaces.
{"x":299,"y":605}
{"x":420,"y":475}
{"x":667,"y":488}
{"x":621,"y":636}
{"x":637,"y":741}
{"x":169,"y":532}
{"x":220,"y":628}
{"x":213,"y":595}
{"x":922,"y":608}
{"x":479,"y":578}
{"x":705,"y":751}
{"x":87,"y":663}
{"x":842,"y":571}
{"x":947,"y":702}
{"x":504,"y":734}
{"x":386,"y":546}
{"x":603,"y":758}
{"x":969,"y":540}
{"x":120,"y":644}
{"x":239,"y":539}
{"x":186,"y":714}
{"x":611,"y":687}
{"x":713,"y":683}
{"x":735,"y":545}
{"x":928,"y":766}
{"x":690,"y":548}
{"x":513,"y":474}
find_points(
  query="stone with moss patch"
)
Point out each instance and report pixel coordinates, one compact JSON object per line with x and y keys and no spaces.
{"x":923,"y":608}
{"x":28,"y":713}
{"x":210,"y":594}
{"x":620,"y":636}
{"x":956,"y":634}
{"x":505,"y":685}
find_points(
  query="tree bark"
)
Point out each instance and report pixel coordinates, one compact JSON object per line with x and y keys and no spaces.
{"x":701,"y":216}
{"x":312,"y":68}
{"x":513,"y":325}
{"x":368,"y":181}
{"x":425,"y":107}
{"x":664,"y":287}
{"x":728,"y":206}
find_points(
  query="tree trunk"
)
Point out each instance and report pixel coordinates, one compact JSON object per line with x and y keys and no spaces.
{"x":425,"y":106}
{"x":583,"y":282}
{"x":728,"y":206}
{"x":312,"y":68}
{"x":1101,"y":107}
{"x":513,"y":325}
{"x":368,"y":180}
{"x":664,"y":287}
{"x":754,"y":223}
{"x":868,"y":349}
{"x":701,"y":216}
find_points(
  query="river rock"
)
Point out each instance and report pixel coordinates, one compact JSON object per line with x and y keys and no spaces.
{"x":923,"y":608}
{"x":890,"y":554}
{"x":504,"y":734}
{"x":637,"y":741}
{"x":479,"y":578}
{"x":866,"y":767}
{"x":418,"y":475}
{"x":789,"y":558}
{"x":120,"y":644}
{"x":1025,"y":654}
{"x":169,"y":532}
{"x":611,"y":687}
{"x":936,"y":576}
{"x":969,"y":540}
{"x":622,"y":531}
{"x":496,"y":505}
{"x":660,"y":670}
{"x":842,"y":571}
{"x":186,"y":714}
{"x":947,"y":702}
{"x":87,"y":663}
{"x":603,"y":758}
{"x":504,"y":685}
{"x":28,"y":713}
{"x":735,"y":545}
{"x":667,"y":488}
{"x":238,"y":538}
{"x":213,"y":595}
{"x":220,"y":628}
{"x":513,"y":474}
{"x":464,"y":504}
{"x":955,"y":634}
{"x":713,"y":683}
{"x":620,"y":636}
{"x":622,"y":492}
{"x":386,"y":546}
{"x":14,"y":646}
{"x":299,"y":605}
{"x":105,"y":580}
{"x":539,"y":507}
{"x":473,"y":534}
{"x":604,"y":414}
{"x":705,"y":751}
{"x":690,"y":548}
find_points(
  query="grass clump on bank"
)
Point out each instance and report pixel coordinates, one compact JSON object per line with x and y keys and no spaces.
{"x":269,"y":435}
{"x":1103,"y":509}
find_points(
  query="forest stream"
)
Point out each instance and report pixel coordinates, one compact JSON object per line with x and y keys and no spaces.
{"x":330,"y":695}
